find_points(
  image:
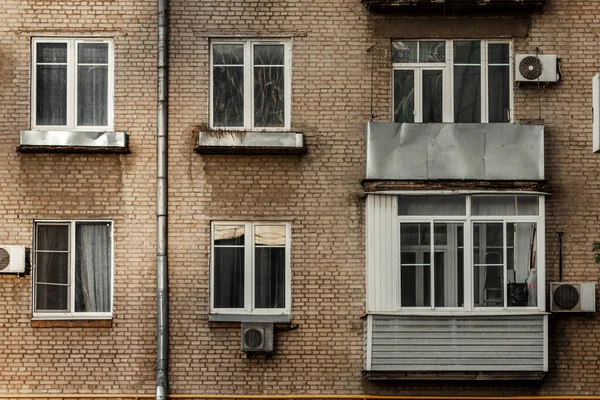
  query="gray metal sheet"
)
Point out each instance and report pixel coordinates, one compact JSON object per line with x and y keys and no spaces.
{"x":454,"y":151}
{"x":71,"y":138}
{"x":250,"y":139}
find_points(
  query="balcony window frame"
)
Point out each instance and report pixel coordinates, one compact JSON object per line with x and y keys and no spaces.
{"x":70,"y":314}
{"x":249,"y":270}
{"x":447,"y":68}
{"x":248,"y":87}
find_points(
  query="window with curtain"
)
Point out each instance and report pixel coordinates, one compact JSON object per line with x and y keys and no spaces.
{"x":462,"y":81}
{"x":73,"y":269}
{"x":250,"y":84}
{"x":250,"y":268}
{"x":72,"y":84}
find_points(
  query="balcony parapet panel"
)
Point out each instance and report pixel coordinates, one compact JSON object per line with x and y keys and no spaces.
{"x":479,"y":6}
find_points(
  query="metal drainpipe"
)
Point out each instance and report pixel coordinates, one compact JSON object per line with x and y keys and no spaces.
{"x":162,"y":287}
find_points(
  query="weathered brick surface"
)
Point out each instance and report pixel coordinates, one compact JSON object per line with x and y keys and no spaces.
{"x":319,"y":193}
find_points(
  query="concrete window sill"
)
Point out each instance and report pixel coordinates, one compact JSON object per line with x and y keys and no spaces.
{"x":36,"y":141}
{"x":244,"y":142}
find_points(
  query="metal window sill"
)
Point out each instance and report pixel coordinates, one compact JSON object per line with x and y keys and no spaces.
{"x":37,"y":141}
{"x":247,"y":142}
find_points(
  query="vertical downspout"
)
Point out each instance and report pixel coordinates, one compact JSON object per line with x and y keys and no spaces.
{"x":162,"y":287}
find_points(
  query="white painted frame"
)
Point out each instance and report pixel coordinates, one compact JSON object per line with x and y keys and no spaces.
{"x":249,"y":84}
{"x":249,"y":278}
{"x":448,"y":80}
{"x":468,"y":221}
{"x":71,"y":287}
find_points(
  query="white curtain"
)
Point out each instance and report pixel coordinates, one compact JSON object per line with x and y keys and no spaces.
{"x":92,"y":267}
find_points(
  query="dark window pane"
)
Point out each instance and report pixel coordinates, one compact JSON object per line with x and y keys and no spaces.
{"x":229,"y":277}
{"x":404,"y":96}
{"x":52,"y":267}
{"x":92,"y":53}
{"x":489,"y":286}
{"x":52,"y":237}
{"x":269,"y":277}
{"x":228,"y":54}
{"x":404,"y":52}
{"x":467,"y":52}
{"x":449,"y":265}
{"x":51,"y":298}
{"x":415,"y":286}
{"x":432,"y":96}
{"x":269,"y":54}
{"x":432,"y":205}
{"x":92,"y":95}
{"x":269,"y":96}
{"x":499,"y":93}
{"x":92,"y":267}
{"x":498,"y":53}
{"x":51,"y":53}
{"x":413,"y":234}
{"x":51,"y":95}
{"x":430,"y":52}
{"x":229,"y":235}
{"x":228,"y":96}
{"x":467,"y":94}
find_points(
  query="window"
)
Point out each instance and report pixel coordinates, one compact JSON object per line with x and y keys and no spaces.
{"x":250,"y":85}
{"x":72,"y":84}
{"x":73,"y":269}
{"x":469,"y":252}
{"x":250,"y":268}
{"x":467,"y":81}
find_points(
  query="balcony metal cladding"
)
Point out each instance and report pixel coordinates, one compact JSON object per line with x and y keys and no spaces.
{"x":71,"y":138}
{"x":454,"y":151}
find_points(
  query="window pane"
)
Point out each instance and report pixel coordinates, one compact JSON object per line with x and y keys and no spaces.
{"x":92,"y":267}
{"x":228,"y":96}
{"x":269,"y":96}
{"x":51,"y":95}
{"x":467,"y":52}
{"x":432,"y":96}
{"x":92,"y":53}
{"x":498,"y":53}
{"x":488,"y":259}
{"x":269,"y":235}
{"x":51,"y":53}
{"x":52,"y":267}
{"x":269,"y":264}
{"x":92,"y":95}
{"x":431,"y":205}
{"x":52,"y":237}
{"x":269,"y":54}
{"x":229,"y":235}
{"x":51,"y":297}
{"x":404,"y":96}
{"x":228,"y":54}
{"x":522,"y":271}
{"x":404,"y":52}
{"x":415,"y":286}
{"x":448,"y":265}
{"x":467,"y":94}
{"x":432,"y":51}
{"x":229,"y":277}
{"x":504,"y":205}
{"x":414,"y":234}
{"x":415,"y":265}
{"x":499,"y":93}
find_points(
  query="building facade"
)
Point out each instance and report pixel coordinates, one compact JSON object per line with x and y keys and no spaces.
{"x":313,"y":149}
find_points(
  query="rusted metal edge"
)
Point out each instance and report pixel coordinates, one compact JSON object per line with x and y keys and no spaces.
{"x":371,"y":185}
{"x":73,"y":149}
{"x":250,"y":150}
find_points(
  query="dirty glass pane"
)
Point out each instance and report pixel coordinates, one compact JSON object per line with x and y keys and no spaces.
{"x":51,"y":95}
{"x":92,"y":53}
{"x":404,"y":52}
{"x":467,"y":94}
{"x":92,"y":95}
{"x":432,"y":205}
{"x":431,"y":52}
{"x":504,"y":205}
{"x":498,"y":53}
{"x":432,"y":96}
{"x":269,"y":54}
{"x":52,"y":267}
{"x":467,"y":52}
{"x":51,"y":297}
{"x":269,"y":96}
{"x":228,"y":96}
{"x":52,"y":237}
{"x":499,"y":93}
{"x":51,"y":53}
{"x":228,"y":54}
{"x":404,"y":96}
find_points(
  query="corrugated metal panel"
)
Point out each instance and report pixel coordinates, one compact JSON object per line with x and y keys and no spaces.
{"x":455,"y":151}
{"x":382,"y":252}
{"x":465,"y":343}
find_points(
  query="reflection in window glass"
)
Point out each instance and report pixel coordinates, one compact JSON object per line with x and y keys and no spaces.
{"x":415,"y":266}
{"x":448,"y":265}
{"x":404,"y":96}
{"x":488,"y":264}
{"x":404,"y":52}
{"x":432,"y":96}
{"x":228,"y":85}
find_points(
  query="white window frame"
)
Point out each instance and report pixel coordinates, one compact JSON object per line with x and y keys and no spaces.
{"x":249,"y":298}
{"x":71,"y":283}
{"x":447,"y":68}
{"x":468,"y":220}
{"x":71,"y":124}
{"x":249,"y":85}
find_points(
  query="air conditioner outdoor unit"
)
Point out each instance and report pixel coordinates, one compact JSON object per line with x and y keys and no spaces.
{"x":573,"y":296}
{"x":12,"y":259}
{"x":536,"y":68}
{"x":257,"y":337}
